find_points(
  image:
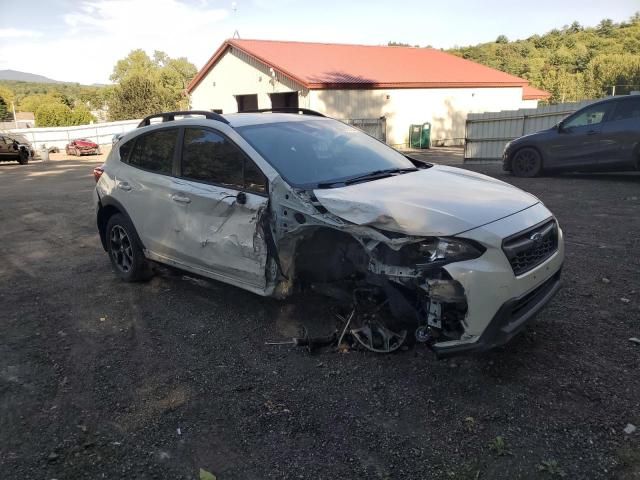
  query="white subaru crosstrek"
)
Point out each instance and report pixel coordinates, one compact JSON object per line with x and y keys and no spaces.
{"x":277,"y":203}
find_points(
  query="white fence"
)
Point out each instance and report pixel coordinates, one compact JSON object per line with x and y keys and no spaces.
{"x":101,"y":133}
{"x":486,"y":134}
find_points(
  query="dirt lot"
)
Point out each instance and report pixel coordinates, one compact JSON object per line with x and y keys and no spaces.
{"x":101,"y":379}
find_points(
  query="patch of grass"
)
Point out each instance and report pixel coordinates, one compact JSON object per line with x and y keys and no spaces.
{"x":499,"y":446}
{"x":552,"y":468}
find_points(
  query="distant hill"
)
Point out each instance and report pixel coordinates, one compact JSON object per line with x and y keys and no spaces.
{"x":25,"y":77}
{"x":572,"y":63}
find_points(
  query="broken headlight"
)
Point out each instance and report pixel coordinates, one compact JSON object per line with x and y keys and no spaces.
{"x":442,"y":250}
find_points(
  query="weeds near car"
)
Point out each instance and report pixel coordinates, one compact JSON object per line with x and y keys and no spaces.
{"x":499,"y":446}
{"x":552,"y":468}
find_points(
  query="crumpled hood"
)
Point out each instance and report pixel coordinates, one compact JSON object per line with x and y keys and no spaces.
{"x":436,"y":201}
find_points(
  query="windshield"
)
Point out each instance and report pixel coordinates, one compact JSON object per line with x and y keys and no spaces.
{"x":321,"y":151}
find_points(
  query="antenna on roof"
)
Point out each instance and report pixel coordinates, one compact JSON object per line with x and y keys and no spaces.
{"x":234,"y":7}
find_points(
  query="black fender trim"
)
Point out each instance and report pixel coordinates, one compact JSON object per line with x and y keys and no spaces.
{"x":106,"y":203}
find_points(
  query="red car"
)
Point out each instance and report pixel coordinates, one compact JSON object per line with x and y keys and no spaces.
{"x":82,"y":146}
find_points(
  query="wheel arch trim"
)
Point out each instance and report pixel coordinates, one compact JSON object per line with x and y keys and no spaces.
{"x":107,"y":207}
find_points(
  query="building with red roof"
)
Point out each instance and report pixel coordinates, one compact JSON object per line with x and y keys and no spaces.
{"x":405,"y":85}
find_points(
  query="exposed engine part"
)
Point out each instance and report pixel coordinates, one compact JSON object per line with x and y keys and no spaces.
{"x":434,"y":314}
{"x":346,"y":326}
{"x":423,"y":335}
{"x":377,"y":338}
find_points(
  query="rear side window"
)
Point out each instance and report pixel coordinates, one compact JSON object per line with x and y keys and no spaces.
{"x":154,"y":151}
{"x":125,"y":149}
{"x":212,"y":158}
{"x":627,"y":108}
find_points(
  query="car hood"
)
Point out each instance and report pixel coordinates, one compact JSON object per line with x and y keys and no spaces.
{"x":436,"y":201}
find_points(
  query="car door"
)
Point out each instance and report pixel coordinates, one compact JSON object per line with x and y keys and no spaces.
{"x":225,"y":195}
{"x":577,"y":143}
{"x":4,"y":148}
{"x":144,"y":186}
{"x":621,"y":135}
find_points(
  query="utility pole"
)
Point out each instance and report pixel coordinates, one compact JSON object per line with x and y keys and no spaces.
{"x":234,"y":7}
{"x":15,"y":120}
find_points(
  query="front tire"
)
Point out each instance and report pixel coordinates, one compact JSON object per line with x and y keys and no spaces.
{"x":23,"y":157}
{"x":526,"y":162}
{"x":125,"y":251}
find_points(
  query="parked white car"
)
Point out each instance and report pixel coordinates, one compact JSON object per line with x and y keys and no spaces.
{"x":279,"y":202}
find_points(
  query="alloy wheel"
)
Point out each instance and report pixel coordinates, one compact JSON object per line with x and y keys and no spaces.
{"x":121,"y":249}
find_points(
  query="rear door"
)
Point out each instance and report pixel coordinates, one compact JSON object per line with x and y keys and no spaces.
{"x":577,"y":143}
{"x":144,"y":185}
{"x":621,"y":135}
{"x":225,"y":195}
{"x":4,"y":148}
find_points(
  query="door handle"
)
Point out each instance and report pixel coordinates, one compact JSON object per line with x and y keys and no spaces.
{"x":180,"y":198}
{"x":124,"y":186}
{"x":592,"y":132}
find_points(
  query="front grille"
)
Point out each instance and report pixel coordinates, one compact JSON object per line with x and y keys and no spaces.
{"x":529,"y":248}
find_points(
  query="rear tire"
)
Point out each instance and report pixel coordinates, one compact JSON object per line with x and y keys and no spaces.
{"x":125,"y":250}
{"x":526,"y":162}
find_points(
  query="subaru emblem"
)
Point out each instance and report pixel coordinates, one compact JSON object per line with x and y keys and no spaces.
{"x":536,"y":237}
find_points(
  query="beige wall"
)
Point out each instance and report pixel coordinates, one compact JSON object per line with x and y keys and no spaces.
{"x":238,"y":74}
{"x":445,"y":108}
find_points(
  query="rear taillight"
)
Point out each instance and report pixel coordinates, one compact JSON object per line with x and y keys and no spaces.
{"x":97,"y":172}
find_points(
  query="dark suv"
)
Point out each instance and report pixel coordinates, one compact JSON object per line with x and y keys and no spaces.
{"x":15,"y":148}
{"x":603,"y":136}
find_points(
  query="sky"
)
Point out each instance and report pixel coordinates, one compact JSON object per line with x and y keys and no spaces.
{"x":81,"y":40}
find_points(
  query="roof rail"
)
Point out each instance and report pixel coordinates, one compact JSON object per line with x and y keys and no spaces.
{"x":169,"y":116}
{"x":303,"y":111}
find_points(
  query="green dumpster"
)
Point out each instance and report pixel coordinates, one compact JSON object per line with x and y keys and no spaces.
{"x":420,"y":136}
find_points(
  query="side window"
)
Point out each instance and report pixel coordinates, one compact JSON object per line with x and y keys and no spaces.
{"x":154,"y":151}
{"x":626,"y":109}
{"x":588,"y":116}
{"x":254,"y":179}
{"x":210,"y":157}
{"x":125,"y":149}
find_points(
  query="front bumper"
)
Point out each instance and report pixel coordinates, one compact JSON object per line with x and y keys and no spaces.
{"x":492,"y":289}
{"x":510,"y":320}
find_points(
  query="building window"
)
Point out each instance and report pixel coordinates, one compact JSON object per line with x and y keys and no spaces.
{"x":284,"y":100}
{"x":247,"y":102}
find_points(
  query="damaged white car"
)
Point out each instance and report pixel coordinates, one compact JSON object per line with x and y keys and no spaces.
{"x":277,"y":203}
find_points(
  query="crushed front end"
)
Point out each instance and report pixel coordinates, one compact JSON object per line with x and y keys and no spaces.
{"x":458,"y":294}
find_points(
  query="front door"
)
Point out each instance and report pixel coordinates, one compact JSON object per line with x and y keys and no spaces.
{"x":577,"y":142}
{"x":227,"y":195}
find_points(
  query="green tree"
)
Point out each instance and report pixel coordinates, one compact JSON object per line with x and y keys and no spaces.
{"x":167,"y":78}
{"x":5,"y":112}
{"x":31,"y":103}
{"x":502,"y":39}
{"x":54,"y":114}
{"x":81,"y":116}
{"x":136,"y":97}
{"x":573,"y":63}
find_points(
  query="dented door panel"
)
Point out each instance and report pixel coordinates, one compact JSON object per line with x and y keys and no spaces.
{"x":222,"y":235}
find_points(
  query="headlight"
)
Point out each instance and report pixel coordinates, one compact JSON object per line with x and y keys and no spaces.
{"x":441,"y":250}
{"x":506,"y":147}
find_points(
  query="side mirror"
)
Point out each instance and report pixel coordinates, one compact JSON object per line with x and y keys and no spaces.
{"x":241,"y":198}
{"x":560,"y":127}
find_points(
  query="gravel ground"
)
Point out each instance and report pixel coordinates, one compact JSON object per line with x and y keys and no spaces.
{"x":101,"y":379}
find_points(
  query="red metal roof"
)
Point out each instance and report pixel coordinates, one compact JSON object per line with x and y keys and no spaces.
{"x":532,"y":93}
{"x":325,"y":65}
